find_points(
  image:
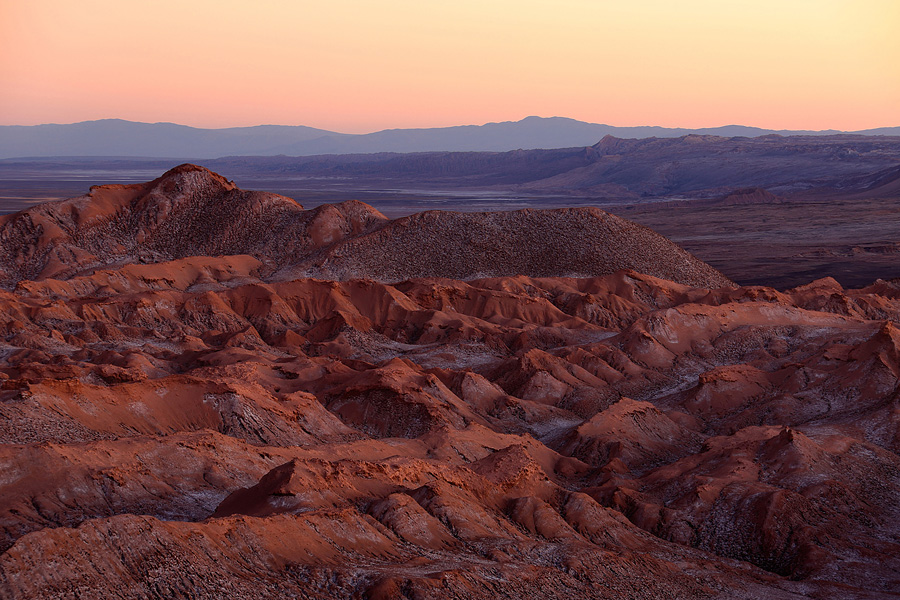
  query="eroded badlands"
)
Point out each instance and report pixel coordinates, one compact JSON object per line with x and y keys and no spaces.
{"x":213,"y":393}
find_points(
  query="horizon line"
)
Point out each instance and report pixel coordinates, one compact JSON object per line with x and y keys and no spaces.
{"x":529,"y":117}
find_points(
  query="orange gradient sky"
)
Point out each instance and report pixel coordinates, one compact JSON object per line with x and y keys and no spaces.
{"x":359,"y":65}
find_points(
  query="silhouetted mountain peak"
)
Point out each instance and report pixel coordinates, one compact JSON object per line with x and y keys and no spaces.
{"x":117,"y":137}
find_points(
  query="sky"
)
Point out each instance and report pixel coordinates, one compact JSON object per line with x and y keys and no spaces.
{"x":357,"y":66}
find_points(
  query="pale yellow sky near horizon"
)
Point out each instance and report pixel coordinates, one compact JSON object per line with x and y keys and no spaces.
{"x":359,"y":65}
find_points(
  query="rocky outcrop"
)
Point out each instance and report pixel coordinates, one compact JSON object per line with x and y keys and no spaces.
{"x":191,"y":211}
{"x":188,"y":211}
{"x":572,"y":242}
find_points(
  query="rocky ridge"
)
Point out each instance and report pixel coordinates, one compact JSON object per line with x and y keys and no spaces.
{"x":190,"y":211}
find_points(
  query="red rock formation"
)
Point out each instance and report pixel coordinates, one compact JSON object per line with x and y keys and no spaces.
{"x":190,"y":211}
{"x":207,"y":426}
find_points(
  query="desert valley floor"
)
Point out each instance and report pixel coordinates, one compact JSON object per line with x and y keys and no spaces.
{"x":214,"y":393}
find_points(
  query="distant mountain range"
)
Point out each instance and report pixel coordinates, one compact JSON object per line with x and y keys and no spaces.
{"x":116,"y":137}
{"x":690,"y":166}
